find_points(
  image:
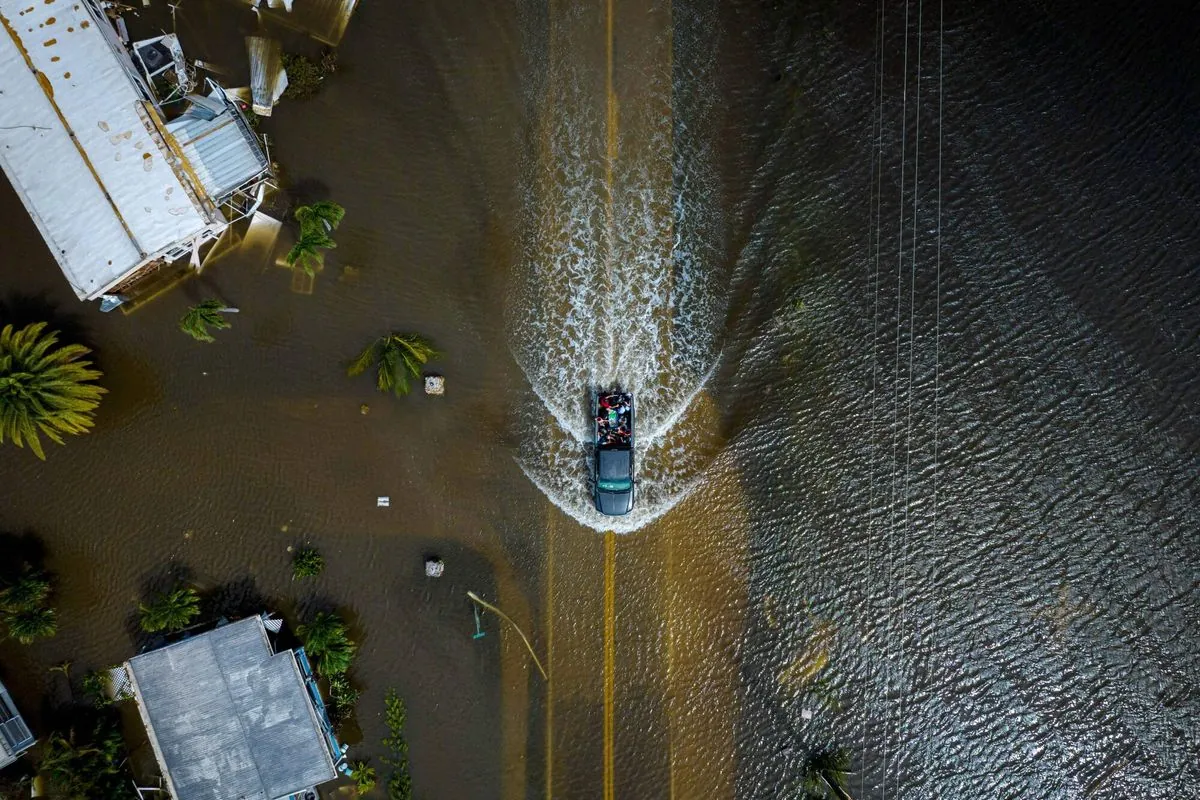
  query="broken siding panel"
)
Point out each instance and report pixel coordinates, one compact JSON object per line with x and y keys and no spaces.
{"x":222,"y":151}
{"x":324,"y":20}
{"x":266,"y":66}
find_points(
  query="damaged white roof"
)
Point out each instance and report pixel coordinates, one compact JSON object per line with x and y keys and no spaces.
{"x":82,"y":147}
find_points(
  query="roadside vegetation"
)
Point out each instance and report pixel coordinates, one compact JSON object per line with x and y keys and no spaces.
{"x":398,"y":358}
{"x":399,"y":783}
{"x":202,"y":316}
{"x":25,"y":609}
{"x":45,"y":388}
{"x":170,"y":611}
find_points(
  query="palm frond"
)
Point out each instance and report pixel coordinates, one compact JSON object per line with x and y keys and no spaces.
{"x":324,"y":215}
{"x":44,"y":387}
{"x":400,"y":358}
{"x":365,"y":359}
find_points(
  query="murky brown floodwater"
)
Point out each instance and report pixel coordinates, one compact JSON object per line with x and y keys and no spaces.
{"x":918,"y":408}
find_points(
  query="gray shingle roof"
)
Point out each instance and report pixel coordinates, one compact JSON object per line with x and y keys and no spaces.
{"x":229,"y":720}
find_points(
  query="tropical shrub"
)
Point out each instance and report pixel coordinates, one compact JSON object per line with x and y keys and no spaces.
{"x":399,"y":784}
{"x":200,"y":317}
{"x":25,"y":609}
{"x":31,"y":624}
{"x":327,"y":640}
{"x":305,"y":76}
{"x":170,"y":611}
{"x":343,"y":697}
{"x":323,"y":215}
{"x":44,"y":388}
{"x":96,"y":685}
{"x":83,"y":767}
{"x":400,"y":357}
{"x":363,"y":775}
{"x":317,"y":221}
{"x":307,"y":253}
{"x":307,"y":563}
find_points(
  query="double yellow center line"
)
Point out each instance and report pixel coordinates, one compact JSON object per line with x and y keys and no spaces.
{"x":610,"y":657}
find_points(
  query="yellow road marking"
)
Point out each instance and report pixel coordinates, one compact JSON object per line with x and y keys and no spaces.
{"x":550,"y":653}
{"x":610,"y":657}
{"x":611,"y":122}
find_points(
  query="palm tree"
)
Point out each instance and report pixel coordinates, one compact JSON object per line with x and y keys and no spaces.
{"x":323,"y":631}
{"x":825,"y":775}
{"x":325,"y":215}
{"x":363,"y":775}
{"x":29,"y":591}
{"x":400,"y":356}
{"x":32,"y":623}
{"x":326,"y":639}
{"x":337,"y":658}
{"x":44,"y":388}
{"x":199,"y":317}
{"x":172,"y":611}
{"x":306,"y":252}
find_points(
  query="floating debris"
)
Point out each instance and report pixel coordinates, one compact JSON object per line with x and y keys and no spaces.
{"x":268,"y":79}
{"x":435,"y":385}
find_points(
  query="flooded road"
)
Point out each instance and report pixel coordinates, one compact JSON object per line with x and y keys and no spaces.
{"x":906,"y":294}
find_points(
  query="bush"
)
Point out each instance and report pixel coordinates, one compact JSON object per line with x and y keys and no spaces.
{"x":399,"y":785}
{"x":307,"y":563}
{"x":96,"y":685}
{"x":343,"y":698}
{"x":171,"y":611}
{"x":305,"y":76}
{"x":363,"y":775}
{"x":81,"y":766}
{"x":327,"y":640}
{"x":25,"y":609}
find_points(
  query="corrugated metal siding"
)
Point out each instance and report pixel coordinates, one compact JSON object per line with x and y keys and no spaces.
{"x":266,"y":56}
{"x":325,"y":20}
{"x":223,"y":152}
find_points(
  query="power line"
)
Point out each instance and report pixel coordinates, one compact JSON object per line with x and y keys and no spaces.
{"x":874,"y":226}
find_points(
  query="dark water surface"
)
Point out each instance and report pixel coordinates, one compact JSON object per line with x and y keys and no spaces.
{"x":916,"y":322}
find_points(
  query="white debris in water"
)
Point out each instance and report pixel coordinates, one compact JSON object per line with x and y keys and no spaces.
{"x":383,"y":502}
{"x":434,"y":567}
{"x":435,"y":384}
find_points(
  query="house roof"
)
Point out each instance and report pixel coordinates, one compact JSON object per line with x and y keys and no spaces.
{"x":228,"y":719}
{"x":83,"y":147}
{"x":15,"y":737}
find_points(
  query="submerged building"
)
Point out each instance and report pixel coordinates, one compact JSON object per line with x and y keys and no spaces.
{"x":15,"y":737}
{"x":229,"y":717}
{"x":115,"y":187}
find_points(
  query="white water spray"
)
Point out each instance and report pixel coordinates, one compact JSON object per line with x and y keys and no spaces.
{"x":636,"y":304}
